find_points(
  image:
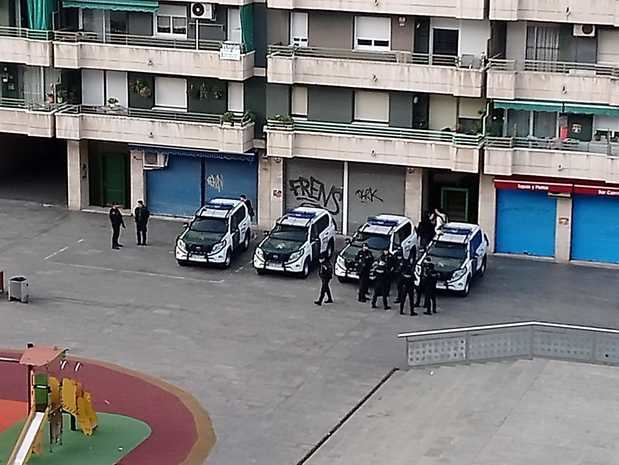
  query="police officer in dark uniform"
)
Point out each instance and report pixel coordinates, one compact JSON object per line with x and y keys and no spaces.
{"x":325,"y":272}
{"x":364,"y":260}
{"x":429,"y":287}
{"x":381,"y":280}
{"x":399,"y":262}
{"x":407,"y":286}
{"x":116,"y":219}
{"x":393,"y":267}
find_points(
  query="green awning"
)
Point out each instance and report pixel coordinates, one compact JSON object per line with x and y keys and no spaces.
{"x":529,"y":105}
{"x":600,"y":110}
{"x":149,"y":6}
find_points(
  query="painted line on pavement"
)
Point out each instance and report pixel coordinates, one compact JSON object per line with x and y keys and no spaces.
{"x":56,"y":253}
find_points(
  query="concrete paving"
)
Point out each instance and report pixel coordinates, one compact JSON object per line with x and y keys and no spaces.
{"x":274,"y":371}
{"x":526,"y":412}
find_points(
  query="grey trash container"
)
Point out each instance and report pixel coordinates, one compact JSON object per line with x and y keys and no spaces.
{"x":18,"y":289}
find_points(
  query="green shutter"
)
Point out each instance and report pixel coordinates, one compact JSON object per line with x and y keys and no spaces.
{"x":247,"y":27}
{"x":149,"y":6}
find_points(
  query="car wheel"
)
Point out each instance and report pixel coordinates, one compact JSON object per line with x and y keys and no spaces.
{"x":330,"y":249}
{"x":484,"y":265}
{"x":260,"y":271}
{"x":227,"y":260}
{"x":467,"y":288}
{"x":246,"y":240}
{"x":182,"y":262}
{"x":306,"y":269}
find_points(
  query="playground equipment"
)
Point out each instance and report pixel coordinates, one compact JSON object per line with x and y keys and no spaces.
{"x":48,"y":399}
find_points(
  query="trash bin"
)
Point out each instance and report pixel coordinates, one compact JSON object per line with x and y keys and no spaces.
{"x":18,"y":289}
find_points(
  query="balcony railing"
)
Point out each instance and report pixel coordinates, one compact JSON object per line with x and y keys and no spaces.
{"x":22,"y":104}
{"x":465,"y":61}
{"x":180,"y":116}
{"x":555,"y":144}
{"x":141,"y":41}
{"x":361,"y":129}
{"x":22,"y":33}
{"x":563,"y":67}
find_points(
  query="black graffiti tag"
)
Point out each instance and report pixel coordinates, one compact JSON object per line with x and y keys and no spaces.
{"x":311,"y":192}
{"x":368,"y":195}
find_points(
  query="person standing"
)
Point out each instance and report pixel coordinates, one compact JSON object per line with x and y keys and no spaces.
{"x":429,"y":288}
{"x":438,"y":218}
{"x":381,"y":280}
{"x":250,"y":209}
{"x":407,"y":286}
{"x":398,"y":265}
{"x":141,"y":215}
{"x":325,"y":272}
{"x":426,"y":231}
{"x":364,"y":260}
{"x":116,"y":218}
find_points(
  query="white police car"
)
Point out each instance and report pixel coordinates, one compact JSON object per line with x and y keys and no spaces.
{"x":382,"y":232}
{"x":218,"y":230}
{"x":298,"y":239}
{"x":459,"y":253}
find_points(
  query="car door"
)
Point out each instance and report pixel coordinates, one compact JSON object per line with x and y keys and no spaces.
{"x":244,"y":222}
{"x":407,"y":239}
{"x":234,"y":229}
{"x":323,"y":232}
{"x":476,"y":252}
{"x":315,"y":241}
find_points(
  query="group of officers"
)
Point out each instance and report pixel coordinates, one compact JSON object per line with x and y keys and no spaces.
{"x":391,"y":268}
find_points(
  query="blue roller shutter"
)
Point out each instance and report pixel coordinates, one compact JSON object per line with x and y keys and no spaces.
{"x":525,"y":223}
{"x":595,"y":229}
{"x":231,"y":178}
{"x":177,"y":189}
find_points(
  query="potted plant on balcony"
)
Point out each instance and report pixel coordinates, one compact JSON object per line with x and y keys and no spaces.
{"x":227,"y":119}
{"x":142,"y":88}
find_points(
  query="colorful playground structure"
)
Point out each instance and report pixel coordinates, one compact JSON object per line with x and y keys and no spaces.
{"x":48,"y":399}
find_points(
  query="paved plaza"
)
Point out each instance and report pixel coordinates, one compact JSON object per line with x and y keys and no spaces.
{"x":274,"y":371}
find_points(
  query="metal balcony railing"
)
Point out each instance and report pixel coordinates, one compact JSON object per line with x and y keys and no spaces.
{"x":465,"y":61}
{"x":570,"y":145}
{"x":239,"y":119}
{"x":562,"y":67}
{"x":22,"y":104}
{"x":141,"y":41}
{"x":513,"y":340}
{"x":22,"y":33}
{"x":375,"y":130}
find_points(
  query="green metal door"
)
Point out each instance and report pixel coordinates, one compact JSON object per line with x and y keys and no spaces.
{"x":114,"y":179}
{"x":455,"y":203}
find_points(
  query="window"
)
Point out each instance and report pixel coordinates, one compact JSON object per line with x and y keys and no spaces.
{"x":234,"y":25}
{"x":475,"y":243}
{"x":171,"y":20}
{"x":445,"y":42}
{"x":372,"y":106}
{"x":404,"y":232}
{"x":237,"y":218}
{"x":322,"y":223}
{"x":298,"y":29}
{"x":171,"y":93}
{"x":299,"y":101}
{"x":118,"y":22}
{"x":314,"y":232}
{"x":542,"y":43}
{"x":544,"y":124}
{"x":372,"y":33}
{"x":235,"y":97}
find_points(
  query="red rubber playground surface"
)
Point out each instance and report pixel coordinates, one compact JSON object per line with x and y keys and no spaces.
{"x":182,"y":433}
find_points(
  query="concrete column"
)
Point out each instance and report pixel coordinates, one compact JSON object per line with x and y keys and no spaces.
{"x":413,"y":194}
{"x":487,"y":207}
{"x":78,"y":194}
{"x":136,"y":171}
{"x":563,"y":232}
{"x":270,"y":191}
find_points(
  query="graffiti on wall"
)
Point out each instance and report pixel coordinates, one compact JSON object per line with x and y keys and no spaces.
{"x":215,"y":181}
{"x":312,"y":192}
{"x":368,"y":195}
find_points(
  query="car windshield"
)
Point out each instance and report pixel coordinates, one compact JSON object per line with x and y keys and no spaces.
{"x":374,"y":241}
{"x":448,"y":250}
{"x":286,"y":232}
{"x":206,"y":230}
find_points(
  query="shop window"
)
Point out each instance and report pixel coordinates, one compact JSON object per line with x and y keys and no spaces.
{"x":372,"y":106}
{"x":170,"y":93}
{"x":299,"y":101}
{"x":372,"y":33}
{"x":171,"y":20}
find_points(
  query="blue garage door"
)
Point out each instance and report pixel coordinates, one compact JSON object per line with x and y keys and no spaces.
{"x":595,"y":229}
{"x":525,"y":223}
{"x":177,"y":189}
{"x":231,"y":178}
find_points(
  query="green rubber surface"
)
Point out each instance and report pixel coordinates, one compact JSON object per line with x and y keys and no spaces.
{"x":114,"y":438}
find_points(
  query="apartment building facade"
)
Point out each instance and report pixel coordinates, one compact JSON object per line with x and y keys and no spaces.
{"x":501,"y":112}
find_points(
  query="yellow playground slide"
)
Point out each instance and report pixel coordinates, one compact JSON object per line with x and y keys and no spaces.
{"x":27,"y":440}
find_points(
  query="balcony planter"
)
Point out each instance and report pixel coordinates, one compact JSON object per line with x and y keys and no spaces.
{"x":227,"y":119}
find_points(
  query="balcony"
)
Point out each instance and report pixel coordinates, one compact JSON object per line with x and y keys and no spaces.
{"x":552,"y":158}
{"x":555,"y":81}
{"x":400,"y":71}
{"x":602,"y":12}
{"x":150,"y":127}
{"x":461,"y":9}
{"x":19,"y":117}
{"x":374,"y":144}
{"x":145,"y":54}
{"x":25,"y":46}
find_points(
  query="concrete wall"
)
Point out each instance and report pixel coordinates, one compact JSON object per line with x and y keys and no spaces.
{"x":270,"y":191}
{"x":278,"y":27}
{"x":330,"y":104}
{"x":580,"y":11}
{"x":443,"y":112}
{"x":29,"y":123}
{"x":77,"y":174}
{"x":608,"y":51}
{"x":330,"y":30}
{"x":136,"y":173}
{"x":487,"y":208}
{"x":474,"y":37}
{"x":26,"y":51}
{"x":401,"y":109}
{"x":563,"y":232}
{"x":516,"y":41}
{"x":278,"y":100}
{"x":402,"y":36}
{"x":413,"y":194}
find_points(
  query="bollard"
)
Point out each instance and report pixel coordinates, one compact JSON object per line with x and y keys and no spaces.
{"x":1,"y":282}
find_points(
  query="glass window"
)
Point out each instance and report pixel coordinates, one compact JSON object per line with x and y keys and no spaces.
{"x":518,"y":122}
{"x":404,"y":232}
{"x":445,"y":42}
{"x":172,"y":20}
{"x":179,"y":25}
{"x":118,"y":22}
{"x":163,"y":25}
{"x":372,"y":106}
{"x":542,"y":43}
{"x":544,"y":124}
{"x":372,"y":32}
{"x":299,"y":101}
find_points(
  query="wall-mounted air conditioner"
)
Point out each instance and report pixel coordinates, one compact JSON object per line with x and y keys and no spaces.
{"x":584,"y":30}
{"x":203,"y":11}
{"x":155,"y":160}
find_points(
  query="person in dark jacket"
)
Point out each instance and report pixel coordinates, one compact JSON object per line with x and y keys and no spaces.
{"x":364,"y":260}
{"x":426,"y":231}
{"x":399,"y":263}
{"x":116,"y":218}
{"x":381,"y":280}
{"x":407,"y":286}
{"x":325,"y":272}
{"x":141,"y":215}
{"x":250,"y":208}
{"x":429,"y":287}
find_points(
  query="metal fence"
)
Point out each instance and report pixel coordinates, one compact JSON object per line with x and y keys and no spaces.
{"x":22,"y":104}
{"x":513,"y":340}
{"x":22,"y":33}
{"x":564,"y":67}
{"x":602,"y":147}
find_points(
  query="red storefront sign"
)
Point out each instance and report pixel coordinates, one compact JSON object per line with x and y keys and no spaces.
{"x":537,"y":186}
{"x":596,"y":190}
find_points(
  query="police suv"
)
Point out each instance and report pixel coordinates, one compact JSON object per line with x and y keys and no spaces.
{"x":218,"y":230}
{"x":459,"y":253}
{"x":298,"y":239}
{"x":383,"y":232}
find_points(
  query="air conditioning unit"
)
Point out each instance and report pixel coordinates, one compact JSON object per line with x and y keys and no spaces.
{"x":584,"y":30}
{"x":155,"y":160}
{"x":203,"y":11}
